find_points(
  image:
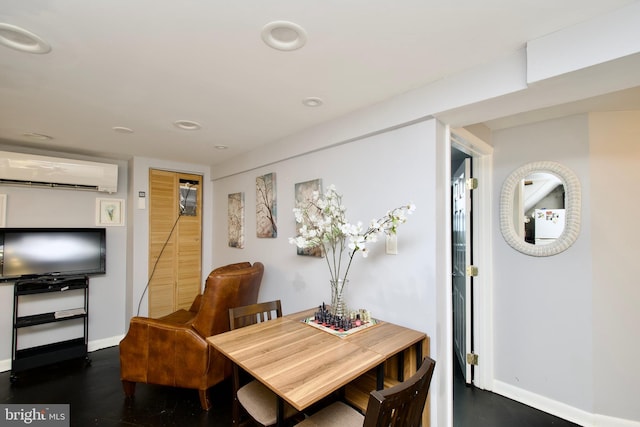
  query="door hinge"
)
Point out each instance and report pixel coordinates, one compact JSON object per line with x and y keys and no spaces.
{"x":472,"y":270}
{"x":472,"y":359}
{"x":472,"y":183}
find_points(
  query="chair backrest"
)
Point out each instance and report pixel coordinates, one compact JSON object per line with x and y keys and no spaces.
{"x":226,"y":288}
{"x":254,"y":313}
{"x":230,"y":267}
{"x":402,"y":404}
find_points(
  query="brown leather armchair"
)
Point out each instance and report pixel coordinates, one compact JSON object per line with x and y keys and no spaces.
{"x":173,"y":350}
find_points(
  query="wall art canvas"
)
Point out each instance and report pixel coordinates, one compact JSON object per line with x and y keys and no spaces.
{"x":303,"y":193}
{"x":235,"y":220}
{"x":266,"y":208}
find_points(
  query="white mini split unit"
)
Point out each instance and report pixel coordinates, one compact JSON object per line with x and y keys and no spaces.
{"x":54,"y":172}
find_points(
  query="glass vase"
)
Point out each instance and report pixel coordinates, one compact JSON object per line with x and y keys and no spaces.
{"x":338,"y":304}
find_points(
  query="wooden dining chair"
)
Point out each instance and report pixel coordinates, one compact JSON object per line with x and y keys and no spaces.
{"x":398,"y":406}
{"x":258,"y":401}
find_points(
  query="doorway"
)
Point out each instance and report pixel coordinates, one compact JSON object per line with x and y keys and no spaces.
{"x":462,"y":262}
{"x":471,"y":249}
{"x":175,"y":240}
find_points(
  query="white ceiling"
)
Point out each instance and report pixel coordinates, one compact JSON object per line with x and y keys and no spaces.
{"x":143,"y":64}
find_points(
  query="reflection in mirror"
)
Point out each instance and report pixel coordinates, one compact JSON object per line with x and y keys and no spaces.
{"x":540,"y":208}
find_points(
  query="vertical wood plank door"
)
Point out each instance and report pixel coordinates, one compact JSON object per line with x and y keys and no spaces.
{"x":175,"y":250}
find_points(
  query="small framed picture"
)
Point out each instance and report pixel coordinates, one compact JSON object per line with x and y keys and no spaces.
{"x":110,"y":212}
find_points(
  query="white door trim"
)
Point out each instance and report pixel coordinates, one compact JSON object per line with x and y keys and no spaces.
{"x":482,"y":167}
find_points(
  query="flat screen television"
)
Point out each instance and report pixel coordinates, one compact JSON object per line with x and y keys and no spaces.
{"x":29,"y":252}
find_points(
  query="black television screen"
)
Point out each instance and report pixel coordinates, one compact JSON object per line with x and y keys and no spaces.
{"x":52,"y":251}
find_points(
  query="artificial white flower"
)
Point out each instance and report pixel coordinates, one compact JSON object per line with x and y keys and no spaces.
{"x":324,"y":223}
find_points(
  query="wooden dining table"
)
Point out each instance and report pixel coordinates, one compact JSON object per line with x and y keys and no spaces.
{"x":303,"y":364}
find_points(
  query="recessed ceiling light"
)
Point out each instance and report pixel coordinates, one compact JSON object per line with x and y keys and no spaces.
{"x":221,"y":147}
{"x":38,"y":136}
{"x":284,"y":35}
{"x":187,"y":125}
{"x":312,"y":101}
{"x":20,"y":39}
{"x":122,"y":129}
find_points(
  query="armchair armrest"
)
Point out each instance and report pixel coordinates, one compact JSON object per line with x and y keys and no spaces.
{"x":161,"y":352}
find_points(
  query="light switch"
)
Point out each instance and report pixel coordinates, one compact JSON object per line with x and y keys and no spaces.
{"x":392,"y":244}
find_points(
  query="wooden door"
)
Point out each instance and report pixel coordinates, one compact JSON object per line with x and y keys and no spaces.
{"x":175,"y":240}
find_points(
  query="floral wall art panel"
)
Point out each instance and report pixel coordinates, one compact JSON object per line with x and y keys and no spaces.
{"x":110,"y":212}
{"x":303,"y":193}
{"x":266,"y":208}
{"x":235,"y":220}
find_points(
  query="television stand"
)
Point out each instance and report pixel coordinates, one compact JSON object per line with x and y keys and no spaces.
{"x":54,"y":288}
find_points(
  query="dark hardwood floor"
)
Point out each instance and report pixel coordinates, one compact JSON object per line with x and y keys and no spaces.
{"x":95,"y":396}
{"x":473,"y":407}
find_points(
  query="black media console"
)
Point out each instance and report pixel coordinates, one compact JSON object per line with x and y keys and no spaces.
{"x":55,"y":287}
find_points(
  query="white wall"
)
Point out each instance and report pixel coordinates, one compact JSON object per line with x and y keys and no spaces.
{"x":564,"y":326}
{"x":374,"y":174}
{"x":43,"y":207}
{"x":543,"y":306}
{"x":614,"y":159}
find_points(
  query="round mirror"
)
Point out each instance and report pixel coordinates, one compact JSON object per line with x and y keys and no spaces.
{"x":540,"y":209}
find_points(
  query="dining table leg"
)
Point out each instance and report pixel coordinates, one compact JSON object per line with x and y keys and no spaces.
{"x":235,"y":408}
{"x":280,"y":412}
{"x":380,"y":376}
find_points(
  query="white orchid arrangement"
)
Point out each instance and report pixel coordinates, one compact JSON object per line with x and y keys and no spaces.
{"x":324,"y":224}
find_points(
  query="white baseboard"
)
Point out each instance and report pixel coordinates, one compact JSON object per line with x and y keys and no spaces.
{"x":5,"y":365}
{"x":560,"y":409}
{"x":605,"y":421}
{"x":104,"y":343}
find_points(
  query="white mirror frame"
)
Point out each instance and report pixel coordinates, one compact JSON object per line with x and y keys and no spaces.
{"x":572,"y":209}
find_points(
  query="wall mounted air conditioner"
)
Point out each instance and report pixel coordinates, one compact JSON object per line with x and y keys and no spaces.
{"x":29,"y":169}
